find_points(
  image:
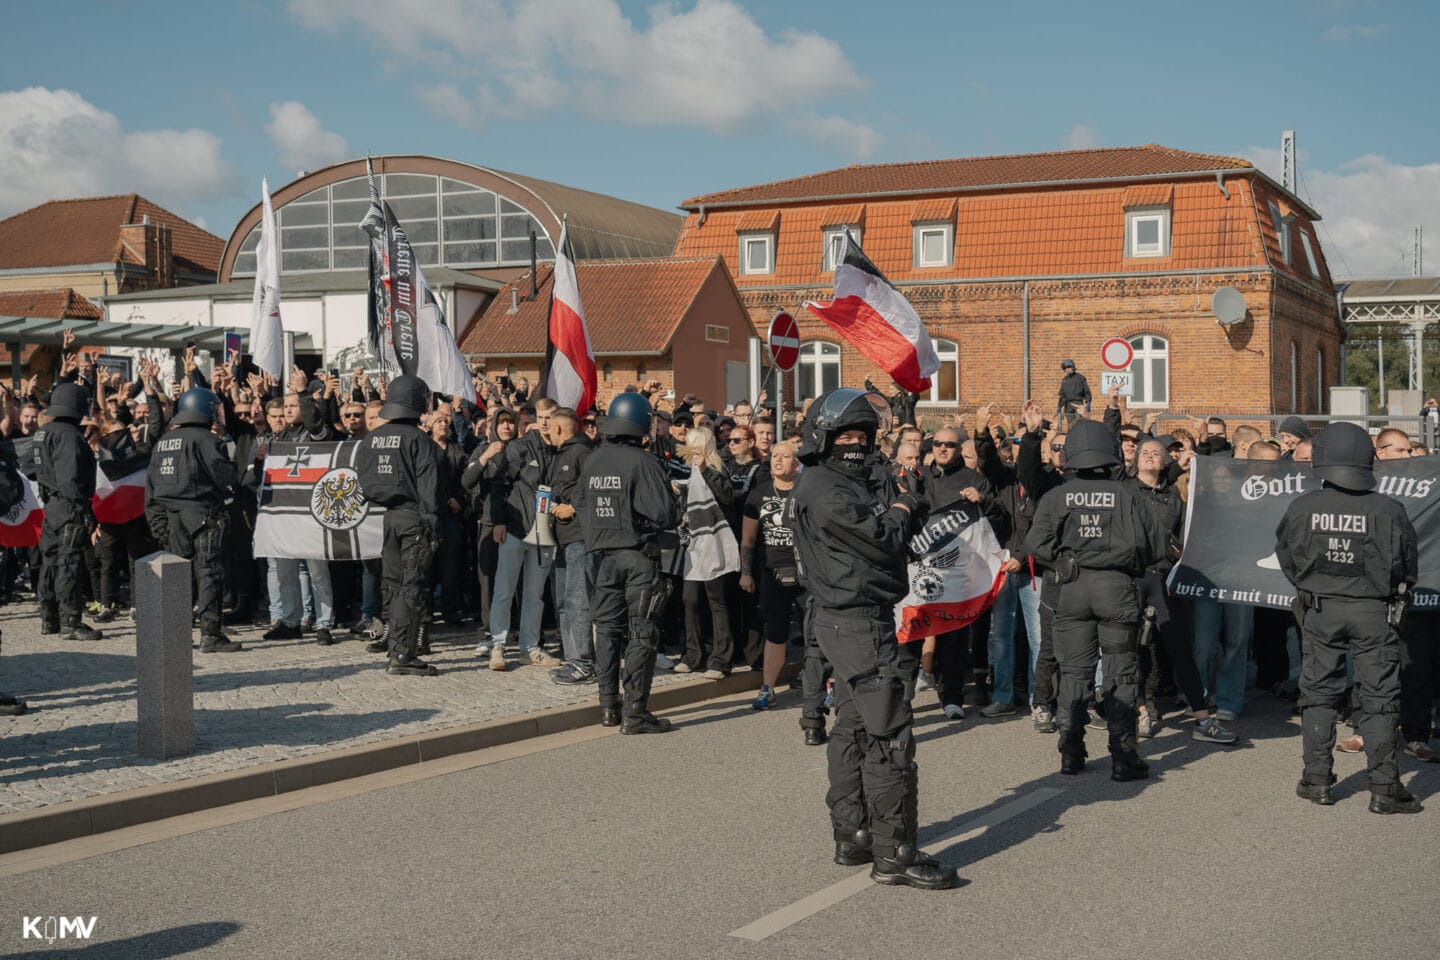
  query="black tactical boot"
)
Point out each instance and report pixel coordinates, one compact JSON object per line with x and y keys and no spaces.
{"x":610,"y":715}
{"x":1128,"y":766}
{"x":853,"y":849}
{"x":10,"y":707}
{"x":219,"y":643}
{"x":645,"y":723}
{"x":422,"y":646}
{"x":49,"y":620}
{"x":1400,"y":801}
{"x":108,"y":612}
{"x":1071,"y":763}
{"x":814,"y":736}
{"x":81,"y":631}
{"x":908,"y":866}
{"x":1316,"y":792}
{"x":410,"y":667}
{"x":381,"y":643}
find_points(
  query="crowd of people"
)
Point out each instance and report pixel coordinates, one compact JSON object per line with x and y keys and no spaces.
{"x":507,"y":570}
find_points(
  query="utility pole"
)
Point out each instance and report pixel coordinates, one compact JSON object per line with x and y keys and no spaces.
{"x":1418,"y":267}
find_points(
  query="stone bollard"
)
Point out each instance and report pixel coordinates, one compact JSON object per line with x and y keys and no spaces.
{"x":164,"y":665}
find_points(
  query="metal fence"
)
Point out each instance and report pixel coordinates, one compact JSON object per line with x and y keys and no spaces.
{"x":1425,"y":429}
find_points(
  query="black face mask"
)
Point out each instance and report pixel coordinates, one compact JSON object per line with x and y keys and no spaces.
{"x":851,"y":459}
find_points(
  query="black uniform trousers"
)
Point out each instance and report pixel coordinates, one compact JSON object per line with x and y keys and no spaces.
{"x":628,"y":598}
{"x":198,"y":535}
{"x":815,"y":671}
{"x":1047,"y":669}
{"x":405,"y":553}
{"x":120,"y":543}
{"x":240,"y":548}
{"x":1097,"y":621}
{"x":873,"y":775}
{"x":1419,"y":674}
{"x":1332,"y":627}
{"x":63,"y":539}
{"x":1173,"y":631}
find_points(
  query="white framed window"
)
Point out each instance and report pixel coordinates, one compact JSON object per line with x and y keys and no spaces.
{"x":1147,"y":232}
{"x":1282,"y":231}
{"x":757,"y":253}
{"x":1309,"y":254}
{"x":1150,"y":371}
{"x":818,"y":369}
{"x":945,"y":385}
{"x":834,"y":239}
{"x":1319,"y":377}
{"x":934,"y":244}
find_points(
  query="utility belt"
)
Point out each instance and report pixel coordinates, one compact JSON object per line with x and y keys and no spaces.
{"x":1306,"y":601}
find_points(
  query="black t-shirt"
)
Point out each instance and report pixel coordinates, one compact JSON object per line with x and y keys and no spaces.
{"x":775,"y":550}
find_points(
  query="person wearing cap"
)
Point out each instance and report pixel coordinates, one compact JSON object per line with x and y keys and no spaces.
{"x":668,"y":445}
{"x":1097,"y":536}
{"x":65,"y":472}
{"x":399,"y":469}
{"x":188,"y":483}
{"x":1351,"y":553}
{"x":1074,"y":391}
{"x":1292,"y":430}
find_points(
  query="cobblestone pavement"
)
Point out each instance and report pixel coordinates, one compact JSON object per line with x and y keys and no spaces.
{"x":272,"y":701}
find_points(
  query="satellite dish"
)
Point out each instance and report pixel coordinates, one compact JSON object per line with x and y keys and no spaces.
{"x":1228,"y":305}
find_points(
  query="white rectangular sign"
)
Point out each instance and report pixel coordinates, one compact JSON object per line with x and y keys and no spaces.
{"x":1109,"y":378}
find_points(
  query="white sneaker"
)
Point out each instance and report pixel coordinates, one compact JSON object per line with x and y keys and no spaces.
{"x":497,"y":657}
{"x":663,"y":662}
{"x":680,"y":667}
{"x":924,"y":682}
{"x":714,"y":674}
{"x":954,"y":711}
{"x":482,"y":649}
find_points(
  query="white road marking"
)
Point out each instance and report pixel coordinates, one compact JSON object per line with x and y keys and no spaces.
{"x":773,"y":923}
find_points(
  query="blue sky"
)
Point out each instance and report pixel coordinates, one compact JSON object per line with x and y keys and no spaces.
{"x":191,"y":104}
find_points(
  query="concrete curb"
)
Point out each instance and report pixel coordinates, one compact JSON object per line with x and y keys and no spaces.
{"x":81,"y":818}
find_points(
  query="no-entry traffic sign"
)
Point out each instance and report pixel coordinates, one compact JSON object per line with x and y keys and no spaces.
{"x":1116,"y":353}
{"x":784,"y":341}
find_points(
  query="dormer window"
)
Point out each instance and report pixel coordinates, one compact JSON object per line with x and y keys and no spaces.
{"x":835,"y":243}
{"x":1147,"y":231}
{"x":757,"y":253}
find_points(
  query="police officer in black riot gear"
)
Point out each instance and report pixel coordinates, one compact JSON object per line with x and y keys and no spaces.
{"x":399,"y":468}
{"x":1351,"y":554}
{"x":850,"y":550}
{"x":188,"y":483}
{"x":1098,"y":536}
{"x":65,"y":471}
{"x":625,"y":501}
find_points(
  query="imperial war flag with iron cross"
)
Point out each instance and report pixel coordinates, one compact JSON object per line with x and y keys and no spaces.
{"x":311,"y":507}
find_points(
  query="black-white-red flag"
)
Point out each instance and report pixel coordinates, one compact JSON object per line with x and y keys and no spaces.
{"x":569,"y":361}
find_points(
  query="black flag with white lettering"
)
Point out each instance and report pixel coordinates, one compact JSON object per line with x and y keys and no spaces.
{"x":405,"y":296}
{"x":1235,"y":506}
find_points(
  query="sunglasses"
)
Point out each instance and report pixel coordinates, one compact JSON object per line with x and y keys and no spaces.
{"x":1057,"y":447}
{"x":352,"y":416}
{"x":945,"y":444}
{"x":739,"y":439}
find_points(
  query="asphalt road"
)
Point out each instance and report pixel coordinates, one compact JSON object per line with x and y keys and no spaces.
{"x":666,"y":847}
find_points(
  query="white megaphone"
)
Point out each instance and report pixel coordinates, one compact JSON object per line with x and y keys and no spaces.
{"x":539,"y":534}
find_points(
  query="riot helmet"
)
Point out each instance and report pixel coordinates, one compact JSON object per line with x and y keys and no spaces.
{"x":1090,"y":446}
{"x":1343,"y":455}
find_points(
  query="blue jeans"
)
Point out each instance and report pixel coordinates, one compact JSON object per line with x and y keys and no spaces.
{"x":1016,"y":596}
{"x":574,"y":579}
{"x":1226,"y":662}
{"x":284,"y":580}
{"x":517,"y":558}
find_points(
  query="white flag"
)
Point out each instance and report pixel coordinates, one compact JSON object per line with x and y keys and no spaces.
{"x":267,"y":336}
{"x":439,"y":364}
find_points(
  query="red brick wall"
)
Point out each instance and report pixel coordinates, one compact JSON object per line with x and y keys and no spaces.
{"x":1211,"y":370}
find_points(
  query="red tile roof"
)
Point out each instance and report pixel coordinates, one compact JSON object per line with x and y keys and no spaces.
{"x":1149,"y":195}
{"x":967,"y":173}
{"x":1032,"y":232}
{"x":631,"y":307}
{"x":64,"y":233}
{"x":61,"y":304}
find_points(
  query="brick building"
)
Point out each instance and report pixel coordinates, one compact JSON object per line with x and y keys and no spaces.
{"x":677,"y":320}
{"x":59,"y":256}
{"x":1016,"y":262}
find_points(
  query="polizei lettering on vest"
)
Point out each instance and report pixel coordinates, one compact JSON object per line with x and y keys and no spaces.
{"x":1091,"y":499}
{"x":1338,"y":522}
{"x":605,"y":483}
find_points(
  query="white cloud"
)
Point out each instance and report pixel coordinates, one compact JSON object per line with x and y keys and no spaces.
{"x":851,"y":140}
{"x":56,"y":144}
{"x":304,"y":144}
{"x":1082,"y":136}
{"x":711,"y":66}
{"x":1370,"y":207}
{"x":1340,"y":33}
